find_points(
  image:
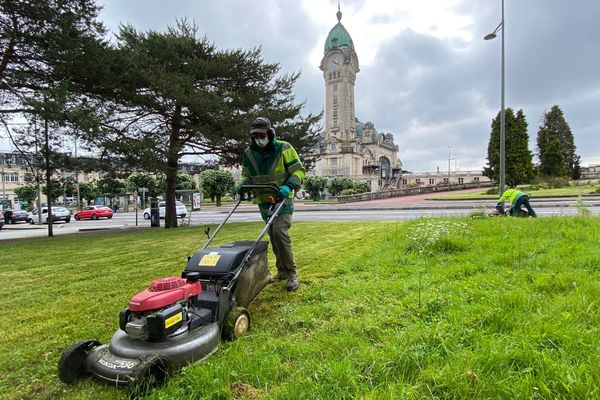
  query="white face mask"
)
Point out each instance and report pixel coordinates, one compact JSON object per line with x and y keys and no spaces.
{"x":262,"y":142}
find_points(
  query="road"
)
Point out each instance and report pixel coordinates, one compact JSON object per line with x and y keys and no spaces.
{"x":387,"y":209}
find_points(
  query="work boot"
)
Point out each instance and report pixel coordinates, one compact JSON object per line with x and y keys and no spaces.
{"x":292,"y":282}
{"x":281,"y":275}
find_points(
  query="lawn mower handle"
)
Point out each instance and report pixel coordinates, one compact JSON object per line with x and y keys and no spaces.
{"x":246,"y":187}
{"x":278,"y":206}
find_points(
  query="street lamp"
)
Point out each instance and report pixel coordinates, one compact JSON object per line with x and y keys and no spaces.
{"x":449,"y":158}
{"x":491,"y":36}
{"x":3,"y":187}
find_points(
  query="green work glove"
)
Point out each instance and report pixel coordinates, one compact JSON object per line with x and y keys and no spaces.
{"x":284,"y":192}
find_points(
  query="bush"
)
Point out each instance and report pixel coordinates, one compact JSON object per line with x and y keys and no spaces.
{"x":362,"y":186}
{"x":314,"y":185}
{"x":339,"y":183}
{"x":550,"y":182}
{"x":493,"y":190}
{"x":538,"y":186}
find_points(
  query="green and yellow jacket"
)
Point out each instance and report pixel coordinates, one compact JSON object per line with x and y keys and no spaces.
{"x":512,"y":195}
{"x":279,"y":164}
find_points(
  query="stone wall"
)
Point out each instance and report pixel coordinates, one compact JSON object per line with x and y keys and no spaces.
{"x":407,"y":192}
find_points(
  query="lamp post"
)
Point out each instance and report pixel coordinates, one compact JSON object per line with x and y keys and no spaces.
{"x":3,"y":188}
{"x":449,"y":158}
{"x":491,"y":36}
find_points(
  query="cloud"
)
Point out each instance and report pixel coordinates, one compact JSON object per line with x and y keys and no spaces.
{"x":426,"y":74}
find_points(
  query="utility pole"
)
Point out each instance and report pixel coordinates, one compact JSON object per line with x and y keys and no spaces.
{"x":77,"y":179}
{"x":3,"y":187}
{"x":490,"y":36}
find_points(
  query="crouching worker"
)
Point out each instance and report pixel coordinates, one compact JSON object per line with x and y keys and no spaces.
{"x":271,"y":161}
{"x":517,"y":199}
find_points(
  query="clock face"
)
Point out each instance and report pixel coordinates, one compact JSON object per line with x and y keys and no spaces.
{"x":335,"y":62}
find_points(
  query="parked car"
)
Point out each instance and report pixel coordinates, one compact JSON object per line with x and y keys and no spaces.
{"x":93,"y":212}
{"x":179,"y":208}
{"x":14,"y":216}
{"x":1,"y":221}
{"x":58,"y":214}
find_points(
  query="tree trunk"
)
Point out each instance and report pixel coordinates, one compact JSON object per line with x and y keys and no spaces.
{"x":171,"y":172}
{"x":48,"y":179}
{"x":171,"y":175}
{"x":218,"y":197}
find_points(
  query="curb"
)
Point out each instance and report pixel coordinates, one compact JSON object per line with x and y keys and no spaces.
{"x":405,"y":208}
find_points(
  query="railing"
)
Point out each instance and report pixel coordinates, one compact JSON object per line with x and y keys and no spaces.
{"x":409,"y":191}
{"x":335,"y":172}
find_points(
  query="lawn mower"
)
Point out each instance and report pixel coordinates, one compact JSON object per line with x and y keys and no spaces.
{"x":179,"y":320}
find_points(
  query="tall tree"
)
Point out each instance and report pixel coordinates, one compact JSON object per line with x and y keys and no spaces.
{"x":178,"y":96}
{"x":41,"y":44}
{"x":554,"y":121}
{"x":518,"y":157}
{"x":39,"y":40}
{"x":552,"y":162}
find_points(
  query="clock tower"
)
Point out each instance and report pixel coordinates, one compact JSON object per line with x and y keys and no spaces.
{"x":339,"y":66}
{"x":349,"y":147}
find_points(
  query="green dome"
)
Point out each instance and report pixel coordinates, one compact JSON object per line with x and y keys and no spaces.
{"x":338,"y":36}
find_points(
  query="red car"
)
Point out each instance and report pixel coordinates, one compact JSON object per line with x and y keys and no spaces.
{"x":94,"y":212}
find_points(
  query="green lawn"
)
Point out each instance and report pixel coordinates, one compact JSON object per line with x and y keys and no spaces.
{"x":494,"y":308}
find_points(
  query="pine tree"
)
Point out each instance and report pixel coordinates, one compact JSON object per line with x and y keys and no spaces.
{"x":552,"y":162}
{"x":555,"y":122}
{"x":172,"y":94}
{"x":518,"y":157}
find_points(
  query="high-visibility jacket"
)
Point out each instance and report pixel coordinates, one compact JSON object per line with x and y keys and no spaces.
{"x":277,"y":164}
{"x":512,"y":195}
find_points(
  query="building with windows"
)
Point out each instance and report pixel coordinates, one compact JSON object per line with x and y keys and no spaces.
{"x":13,"y":172}
{"x":418,"y":179}
{"x":349,"y":147}
{"x":590,"y":172}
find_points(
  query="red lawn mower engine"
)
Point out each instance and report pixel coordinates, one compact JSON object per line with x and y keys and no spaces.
{"x":163,"y":310}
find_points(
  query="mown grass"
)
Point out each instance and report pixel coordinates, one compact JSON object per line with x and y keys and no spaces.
{"x":496,"y":308}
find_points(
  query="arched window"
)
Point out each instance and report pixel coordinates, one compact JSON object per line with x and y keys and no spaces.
{"x":384,"y":167}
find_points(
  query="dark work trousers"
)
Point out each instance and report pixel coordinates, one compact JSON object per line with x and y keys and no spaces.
{"x":282,"y":244}
{"x":523,"y":201}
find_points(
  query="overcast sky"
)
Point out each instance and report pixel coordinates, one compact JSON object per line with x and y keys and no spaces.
{"x":426,"y":74}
